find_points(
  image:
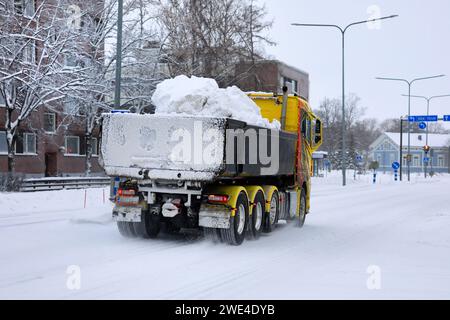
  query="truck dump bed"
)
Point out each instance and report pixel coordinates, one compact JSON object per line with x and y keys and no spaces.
{"x":181,"y":147}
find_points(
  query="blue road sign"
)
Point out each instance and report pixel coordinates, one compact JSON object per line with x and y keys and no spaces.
{"x":395,"y":165}
{"x":423,"y":118}
{"x":426,"y":160}
{"x":359,"y":158}
{"x":447,"y":118}
{"x":422,"y":125}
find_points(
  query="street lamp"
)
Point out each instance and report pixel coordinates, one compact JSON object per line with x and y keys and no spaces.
{"x":428,"y":99}
{"x":343,"y":30}
{"x":118,"y":54}
{"x":409,"y":82}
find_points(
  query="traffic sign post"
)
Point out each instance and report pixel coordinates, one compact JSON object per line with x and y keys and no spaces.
{"x":359,"y":159}
{"x":396,"y":166}
{"x":422,"y":125}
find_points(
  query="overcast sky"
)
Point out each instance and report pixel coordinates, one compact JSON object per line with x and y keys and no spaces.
{"x":416,"y":44}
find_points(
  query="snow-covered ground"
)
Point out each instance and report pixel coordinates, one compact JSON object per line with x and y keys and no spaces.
{"x":384,"y":241}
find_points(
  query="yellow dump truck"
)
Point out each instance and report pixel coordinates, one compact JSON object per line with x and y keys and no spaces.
{"x":220,"y":176}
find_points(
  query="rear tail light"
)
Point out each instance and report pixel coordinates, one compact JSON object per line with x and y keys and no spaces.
{"x":218,"y":198}
{"x":126,"y":192}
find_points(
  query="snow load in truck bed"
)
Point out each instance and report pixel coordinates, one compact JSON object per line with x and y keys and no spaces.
{"x":203,"y":97}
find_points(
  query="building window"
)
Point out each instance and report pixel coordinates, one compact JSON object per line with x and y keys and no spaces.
{"x":25,"y":7}
{"x":18,"y":6}
{"x":2,"y":100}
{"x":70,"y":106}
{"x":70,"y":61}
{"x":416,"y":161}
{"x":29,"y":8}
{"x":50,"y":122}
{"x":72,"y":144}
{"x":3,"y":143}
{"x":379,"y":160}
{"x":26,"y":143}
{"x":392,"y":158}
{"x":74,"y":17}
{"x":440,"y":161}
{"x":291,"y":84}
{"x":94,"y":143}
{"x":29,"y":52}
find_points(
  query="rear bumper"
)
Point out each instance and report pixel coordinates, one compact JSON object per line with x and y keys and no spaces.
{"x":127,"y":214}
{"x":156,"y":174}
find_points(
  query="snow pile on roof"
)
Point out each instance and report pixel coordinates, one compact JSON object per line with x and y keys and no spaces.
{"x":419,"y":139}
{"x":203,"y":97}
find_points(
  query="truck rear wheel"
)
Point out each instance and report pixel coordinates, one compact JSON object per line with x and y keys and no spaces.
{"x":139,"y":228}
{"x":302,"y":209}
{"x":238,"y":223}
{"x":271,"y":217}
{"x":256,"y":220}
{"x":151,"y":225}
{"x":126,"y":229}
{"x":212,"y":234}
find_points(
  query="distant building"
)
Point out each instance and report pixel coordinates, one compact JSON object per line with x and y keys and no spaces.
{"x":47,"y":143}
{"x":386,"y":150}
{"x":271,"y":76}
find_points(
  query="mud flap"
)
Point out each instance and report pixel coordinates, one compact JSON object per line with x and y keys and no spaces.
{"x":127,"y":214}
{"x":214,"y":216}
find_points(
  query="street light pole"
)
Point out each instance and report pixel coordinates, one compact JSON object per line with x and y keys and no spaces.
{"x":343,"y":30}
{"x":118,"y":55}
{"x":343,"y":155}
{"x":410,"y":83}
{"x":428,"y":100}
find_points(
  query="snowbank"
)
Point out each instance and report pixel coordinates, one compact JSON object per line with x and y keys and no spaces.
{"x":203,"y":97}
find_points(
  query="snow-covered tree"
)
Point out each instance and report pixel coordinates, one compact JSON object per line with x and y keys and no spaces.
{"x":34,"y":47}
{"x":94,"y":51}
{"x":209,"y":37}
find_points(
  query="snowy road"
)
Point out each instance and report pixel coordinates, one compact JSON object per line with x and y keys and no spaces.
{"x":401,"y":230}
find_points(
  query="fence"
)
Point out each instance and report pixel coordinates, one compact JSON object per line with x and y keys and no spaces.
{"x":45,"y":184}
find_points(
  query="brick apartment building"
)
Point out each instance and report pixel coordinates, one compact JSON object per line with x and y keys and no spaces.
{"x":49,"y":142}
{"x":271,"y":76}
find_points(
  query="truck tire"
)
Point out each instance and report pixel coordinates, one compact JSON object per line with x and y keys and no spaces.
{"x":212,"y":234}
{"x":271,"y":217}
{"x":139,"y":228}
{"x":302,"y":209}
{"x":256,"y":221}
{"x":125,"y":229}
{"x":235,"y":235}
{"x":151,"y":225}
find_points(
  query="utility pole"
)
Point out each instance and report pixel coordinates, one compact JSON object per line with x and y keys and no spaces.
{"x":343,"y":31}
{"x":118,"y":54}
{"x":401,"y":148}
{"x":428,"y":100}
{"x":410,"y":83}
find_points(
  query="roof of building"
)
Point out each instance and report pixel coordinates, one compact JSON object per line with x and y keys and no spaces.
{"x":279,"y":62}
{"x":419,"y":139}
